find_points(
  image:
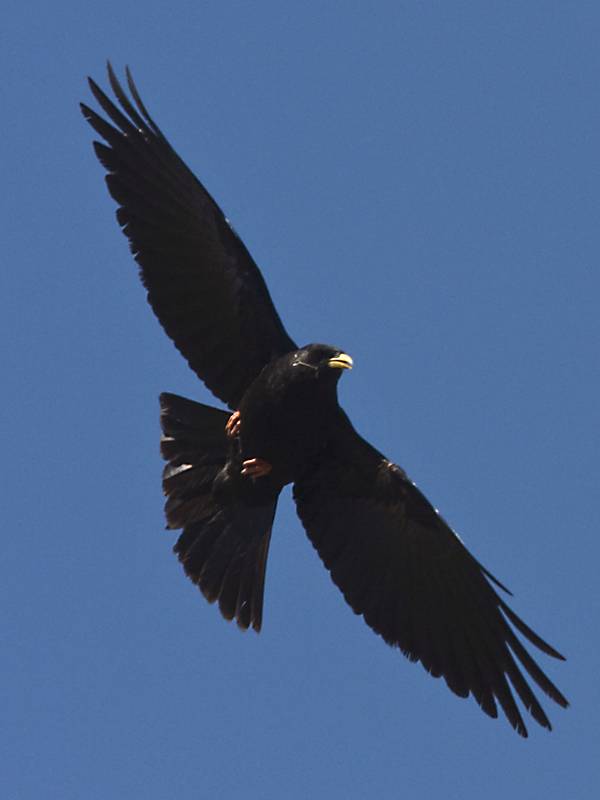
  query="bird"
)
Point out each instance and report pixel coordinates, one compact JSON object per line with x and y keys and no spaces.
{"x":395,"y":559}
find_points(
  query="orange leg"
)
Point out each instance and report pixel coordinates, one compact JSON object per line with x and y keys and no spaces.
{"x":256,"y":468}
{"x":234,"y":425}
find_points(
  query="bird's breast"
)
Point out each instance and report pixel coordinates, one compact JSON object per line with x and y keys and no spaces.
{"x":286,"y":426}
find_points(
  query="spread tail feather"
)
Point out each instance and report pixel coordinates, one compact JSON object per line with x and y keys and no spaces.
{"x":223,"y":546}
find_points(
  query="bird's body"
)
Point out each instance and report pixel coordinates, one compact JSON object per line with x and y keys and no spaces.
{"x":392,"y":555}
{"x":288,"y":413}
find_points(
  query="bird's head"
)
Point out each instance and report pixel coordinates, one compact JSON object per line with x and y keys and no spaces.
{"x":322,"y":360}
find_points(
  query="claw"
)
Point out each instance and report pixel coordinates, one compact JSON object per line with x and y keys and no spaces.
{"x":234,"y":425}
{"x":256,"y":468}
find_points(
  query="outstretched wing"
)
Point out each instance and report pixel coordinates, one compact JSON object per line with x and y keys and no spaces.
{"x":401,"y":566}
{"x":202,"y":283}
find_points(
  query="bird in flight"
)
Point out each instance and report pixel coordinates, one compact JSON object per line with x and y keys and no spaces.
{"x":395,"y":559}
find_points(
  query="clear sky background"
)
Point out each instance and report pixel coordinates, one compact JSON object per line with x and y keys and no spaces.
{"x":419,"y":183}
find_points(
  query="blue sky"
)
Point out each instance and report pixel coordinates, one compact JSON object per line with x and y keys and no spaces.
{"x":419,"y":183}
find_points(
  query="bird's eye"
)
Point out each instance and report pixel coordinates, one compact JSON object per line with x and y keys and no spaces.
{"x":317,"y":356}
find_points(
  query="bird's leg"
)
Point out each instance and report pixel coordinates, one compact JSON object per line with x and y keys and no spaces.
{"x":234,"y":425}
{"x":256,"y":468}
{"x":252,"y":467}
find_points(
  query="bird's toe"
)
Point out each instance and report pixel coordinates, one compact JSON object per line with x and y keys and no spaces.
{"x":256,"y":468}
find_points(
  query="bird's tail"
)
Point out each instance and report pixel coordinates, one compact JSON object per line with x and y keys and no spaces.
{"x":224,"y":545}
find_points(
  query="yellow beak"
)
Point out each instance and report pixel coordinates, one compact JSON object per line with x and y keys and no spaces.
{"x":343,"y":361}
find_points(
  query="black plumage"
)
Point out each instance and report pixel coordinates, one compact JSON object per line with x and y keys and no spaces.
{"x":392,"y":555}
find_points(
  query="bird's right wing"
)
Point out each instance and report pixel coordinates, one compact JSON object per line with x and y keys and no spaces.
{"x":202,"y":283}
{"x":401,"y":566}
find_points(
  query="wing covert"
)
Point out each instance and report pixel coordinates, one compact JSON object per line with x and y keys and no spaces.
{"x":202,"y":283}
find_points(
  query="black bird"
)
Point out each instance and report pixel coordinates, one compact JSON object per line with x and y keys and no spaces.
{"x":395,"y":559}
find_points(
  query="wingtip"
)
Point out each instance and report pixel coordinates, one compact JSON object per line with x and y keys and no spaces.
{"x":559,"y":656}
{"x":95,"y":89}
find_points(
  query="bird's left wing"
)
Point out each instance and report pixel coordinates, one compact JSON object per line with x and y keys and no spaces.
{"x":402,"y":567}
{"x":202,"y":283}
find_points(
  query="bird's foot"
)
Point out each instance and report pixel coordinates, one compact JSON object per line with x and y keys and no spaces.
{"x":234,"y":425}
{"x":256,"y":468}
